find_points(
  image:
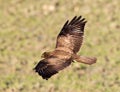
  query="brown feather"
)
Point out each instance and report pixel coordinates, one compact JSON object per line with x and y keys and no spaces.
{"x":50,"y":66}
{"x":68,"y":44}
{"x":71,"y":35}
{"x":84,"y":59}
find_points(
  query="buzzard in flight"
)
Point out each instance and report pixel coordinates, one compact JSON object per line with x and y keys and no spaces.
{"x":69,"y":41}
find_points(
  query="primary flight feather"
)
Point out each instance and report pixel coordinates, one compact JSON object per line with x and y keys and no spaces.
{"x":69,"y":41}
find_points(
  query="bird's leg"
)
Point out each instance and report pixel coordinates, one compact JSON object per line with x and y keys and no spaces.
{"x":84,"y":59}
{"x":46,"y":54}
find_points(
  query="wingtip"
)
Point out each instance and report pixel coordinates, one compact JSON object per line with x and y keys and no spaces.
{"x":44,"y":70}
{"x":66,"y":23}
{"x":74,"y":17}
{"x":78,"y":22}
{"x":80,"y":16}
{"x":85,"y":22}
{"x":79,"y":19}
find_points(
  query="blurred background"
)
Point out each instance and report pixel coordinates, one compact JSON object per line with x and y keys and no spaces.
{"x":30,"y":27}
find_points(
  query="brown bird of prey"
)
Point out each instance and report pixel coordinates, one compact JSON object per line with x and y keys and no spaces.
{"x":69,"y":41}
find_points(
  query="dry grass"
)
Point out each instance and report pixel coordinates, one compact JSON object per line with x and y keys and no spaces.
{"x":30,"y":27}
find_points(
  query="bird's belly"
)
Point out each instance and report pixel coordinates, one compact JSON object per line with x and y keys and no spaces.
{"x":62,"y":54}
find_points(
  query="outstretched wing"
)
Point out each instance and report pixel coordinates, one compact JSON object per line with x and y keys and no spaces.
{"x":71,"y":35}
{"x":48,"y":67}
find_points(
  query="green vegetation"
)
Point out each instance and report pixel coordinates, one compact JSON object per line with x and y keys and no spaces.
{"x":29,"y":27}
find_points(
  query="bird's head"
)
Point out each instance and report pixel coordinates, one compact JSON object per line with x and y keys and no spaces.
{"x":45,"y":55}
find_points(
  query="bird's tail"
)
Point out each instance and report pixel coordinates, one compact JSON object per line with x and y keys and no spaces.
{"x":85,"y":59}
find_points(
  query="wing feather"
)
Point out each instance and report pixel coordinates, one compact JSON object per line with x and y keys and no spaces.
{"x":71,"y":35}
{"x":47,"y":68}
{"x":68,"y":43}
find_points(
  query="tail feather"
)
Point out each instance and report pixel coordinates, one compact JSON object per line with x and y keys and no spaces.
{"x":88,"y":60}
{"x":85,"y":59}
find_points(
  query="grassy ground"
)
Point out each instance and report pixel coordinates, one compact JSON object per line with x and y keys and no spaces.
{"x":30,"y":27}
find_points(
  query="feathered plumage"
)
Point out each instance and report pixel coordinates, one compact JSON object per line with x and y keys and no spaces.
{"x":68,"y":44}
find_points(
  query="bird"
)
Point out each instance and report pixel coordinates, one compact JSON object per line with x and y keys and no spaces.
{"x":68,"y":44}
